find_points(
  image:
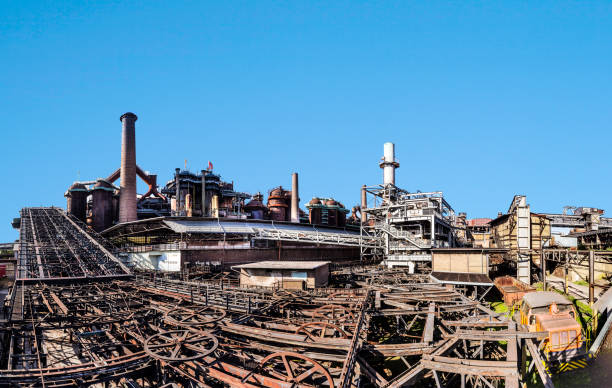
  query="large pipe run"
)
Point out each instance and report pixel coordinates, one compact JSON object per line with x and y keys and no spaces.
{"x":389,"y":164}
{"x":295,"y":199}
{"x":127,"y":198}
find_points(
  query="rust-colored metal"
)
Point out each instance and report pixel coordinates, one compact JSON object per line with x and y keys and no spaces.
{"x":315,"y":330}
{"x":180,"y":345}
{"x":333,"y":313}
{"x":297,"y":369}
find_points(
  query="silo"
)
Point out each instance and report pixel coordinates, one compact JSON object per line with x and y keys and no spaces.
{"x":277,"y":204}
{"x":314,"y":211}
{"x":256,"y":207}
{"x":332,"y":212}
{"x":76,"y":199}
{"x":102,"y":211}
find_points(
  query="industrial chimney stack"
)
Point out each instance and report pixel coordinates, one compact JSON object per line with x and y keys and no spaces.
{"x":295,"y":199}
{"x":127,"y":199}
{"x":389,"y":164}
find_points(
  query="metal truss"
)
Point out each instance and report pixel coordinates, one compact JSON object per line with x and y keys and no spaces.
{"x":53,"y":247}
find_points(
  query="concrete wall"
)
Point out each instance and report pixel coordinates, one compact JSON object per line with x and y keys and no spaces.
{"x":559,"y":234}
{"x":463,"y":262}
{"x":230,"y":257}
{"x":158,"y":260}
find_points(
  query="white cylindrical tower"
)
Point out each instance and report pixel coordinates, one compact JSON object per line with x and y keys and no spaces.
{"x":389,"y":164}
{"x":295,"y":199}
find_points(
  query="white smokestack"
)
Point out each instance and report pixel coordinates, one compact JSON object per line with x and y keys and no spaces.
{"x":389,"y":164}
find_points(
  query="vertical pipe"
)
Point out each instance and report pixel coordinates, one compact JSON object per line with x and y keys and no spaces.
{"x":177,"y":183}
{"x":215,"y":206}
{"x":543,"y":263}
{"x":591,"y":277}
{"x":127,"y":199}
{"x":295,"y":199}
{"x":204,"y":193}
{"x":364,"y":203}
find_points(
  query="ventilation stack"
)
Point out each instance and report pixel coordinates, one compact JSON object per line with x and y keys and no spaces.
{"x":127,"y":199}
{"x":295,"y":199}
{"x":389,"y":164}
{"x":364,"y":204}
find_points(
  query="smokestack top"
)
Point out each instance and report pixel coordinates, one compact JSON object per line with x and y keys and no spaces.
{"x":128,"y":115}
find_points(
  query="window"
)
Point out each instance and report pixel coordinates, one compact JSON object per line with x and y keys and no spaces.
{"x":554,"y":340}
{"x":298,"y":275}
{"x":572,"y":337}
{"x":564,"y":338}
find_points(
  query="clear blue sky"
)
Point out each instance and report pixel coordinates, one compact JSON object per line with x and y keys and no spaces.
{"x":483,"y":100}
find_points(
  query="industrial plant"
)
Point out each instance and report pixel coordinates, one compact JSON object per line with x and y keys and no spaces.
{"x":195,"y":283}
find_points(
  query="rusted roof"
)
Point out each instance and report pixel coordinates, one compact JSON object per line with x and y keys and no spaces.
{"x":478,"y":221}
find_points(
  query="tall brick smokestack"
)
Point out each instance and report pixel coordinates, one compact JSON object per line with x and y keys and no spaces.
{"x":127,"y":198}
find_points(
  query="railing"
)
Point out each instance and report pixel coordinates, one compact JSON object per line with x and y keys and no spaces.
{"x":399,"y":234}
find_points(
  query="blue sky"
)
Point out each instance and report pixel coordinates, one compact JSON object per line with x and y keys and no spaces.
{"x":484,"y":100}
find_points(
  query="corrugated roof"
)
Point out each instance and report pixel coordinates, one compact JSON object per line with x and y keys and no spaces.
{"x":544,"y":298}
{"x":478,"y":221}
{"x":246,"y":227}
{"x":462,"y":278}
{"x":283,"y":265}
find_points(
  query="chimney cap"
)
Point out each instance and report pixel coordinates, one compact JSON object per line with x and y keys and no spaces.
{"x":129,"y":115}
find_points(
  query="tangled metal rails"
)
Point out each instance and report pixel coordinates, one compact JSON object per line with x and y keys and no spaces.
{"x":54,"y":247}
{"x":392,"y":331}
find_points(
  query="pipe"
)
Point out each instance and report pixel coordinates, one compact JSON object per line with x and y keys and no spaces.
{"x":177,"y":183}
{"x":204,"y":193}
{"x":364,"y":204}
{"x":295,"y":199}
{"x":389,"y":164}
{"x":127,"y":196}
{"x":215,"y":206}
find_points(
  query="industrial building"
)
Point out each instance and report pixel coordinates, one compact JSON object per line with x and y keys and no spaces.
{"x":407,"y":225}
{"x":198,"y":284}
{"x":199,"y":219}
{"x":291,"y":276}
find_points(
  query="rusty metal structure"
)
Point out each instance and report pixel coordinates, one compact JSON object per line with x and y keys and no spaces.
{"x":78,"y":317}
